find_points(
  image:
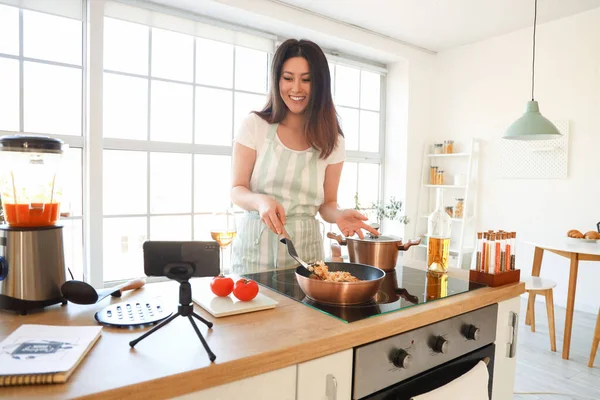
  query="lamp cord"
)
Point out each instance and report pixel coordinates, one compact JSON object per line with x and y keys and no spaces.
{"x":533,"y":63}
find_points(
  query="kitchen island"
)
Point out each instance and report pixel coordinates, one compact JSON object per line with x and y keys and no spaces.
{"x":266,"y":350}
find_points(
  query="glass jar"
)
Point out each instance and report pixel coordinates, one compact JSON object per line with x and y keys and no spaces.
{"x":438,"y":148}
{"x":448,"y":146}
{"x":459,"y":208}
{"x":450,"y":211}
{"x":433,"y":174}
{"x":440,"y":177}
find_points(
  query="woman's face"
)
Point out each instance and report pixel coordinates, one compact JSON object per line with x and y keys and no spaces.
{"x":294,"y":84}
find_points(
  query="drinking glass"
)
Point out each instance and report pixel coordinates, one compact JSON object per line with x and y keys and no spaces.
{"x":223,"y":231}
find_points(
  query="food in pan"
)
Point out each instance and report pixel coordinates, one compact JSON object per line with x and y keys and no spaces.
{"x":320,"y":271}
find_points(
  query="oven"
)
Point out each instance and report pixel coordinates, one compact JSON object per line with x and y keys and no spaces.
{"x":424,"y":359}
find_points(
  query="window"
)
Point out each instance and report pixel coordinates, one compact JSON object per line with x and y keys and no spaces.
{"x":41,"y":91}
{"x":172,"y":102}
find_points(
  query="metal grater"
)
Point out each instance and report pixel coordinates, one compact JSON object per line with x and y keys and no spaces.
{"x":132,"y":313}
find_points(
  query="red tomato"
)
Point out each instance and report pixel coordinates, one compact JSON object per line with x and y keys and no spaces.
{"x":221,"y":285}
{"x":245,"y":289}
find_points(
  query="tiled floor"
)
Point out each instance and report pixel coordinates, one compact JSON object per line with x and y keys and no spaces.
{"x":541,"y":370}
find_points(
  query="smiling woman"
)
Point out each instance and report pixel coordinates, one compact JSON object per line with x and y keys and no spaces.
{"x":287,"y":162}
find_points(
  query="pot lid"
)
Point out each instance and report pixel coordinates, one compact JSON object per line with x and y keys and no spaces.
{"x":376,"y":239}
{"x":35,"y":143}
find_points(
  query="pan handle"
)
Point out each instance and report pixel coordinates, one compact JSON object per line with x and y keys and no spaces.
{"x":405,"y":246}
{"x":339,"y":238}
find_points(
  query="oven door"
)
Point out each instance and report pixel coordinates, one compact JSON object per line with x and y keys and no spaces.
{"x":437,"y":377}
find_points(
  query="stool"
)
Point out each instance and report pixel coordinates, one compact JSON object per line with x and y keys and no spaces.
{"x":543,"y":287}
{"x":595,"y":342}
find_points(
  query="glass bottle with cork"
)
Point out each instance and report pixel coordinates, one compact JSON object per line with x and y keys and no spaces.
{"x":439,"y":225}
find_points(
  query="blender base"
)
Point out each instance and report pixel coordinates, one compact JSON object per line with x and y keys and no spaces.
{"x":22,"y":307}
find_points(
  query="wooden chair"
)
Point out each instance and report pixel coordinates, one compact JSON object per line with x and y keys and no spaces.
{"x":595,"y":342}
{"x":543,"y":287}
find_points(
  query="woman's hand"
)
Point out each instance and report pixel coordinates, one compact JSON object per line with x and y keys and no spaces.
{"x":351,"y":222}
{"x":271,"y":213}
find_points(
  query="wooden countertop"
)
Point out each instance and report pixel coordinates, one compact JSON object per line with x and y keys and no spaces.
{"x":173,"y":362}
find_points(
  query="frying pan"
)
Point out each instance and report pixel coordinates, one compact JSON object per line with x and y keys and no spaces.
{"x":79,"y":292}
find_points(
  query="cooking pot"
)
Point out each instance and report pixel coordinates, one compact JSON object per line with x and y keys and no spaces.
{"x":342,"y":293}
{"x":380,"y":251}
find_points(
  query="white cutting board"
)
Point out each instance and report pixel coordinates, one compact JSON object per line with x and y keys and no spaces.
{"x":225,"y":306}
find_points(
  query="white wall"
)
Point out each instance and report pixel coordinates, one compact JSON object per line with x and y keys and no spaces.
{"x":482,"y":88}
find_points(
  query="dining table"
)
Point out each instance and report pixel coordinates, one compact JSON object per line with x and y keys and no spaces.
{"x":574,"y":250}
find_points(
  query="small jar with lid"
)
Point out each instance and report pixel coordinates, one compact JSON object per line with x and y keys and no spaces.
{"x":440,"y":177}
{"x":433,"y":174}
{"x":438,"y":148}
{"x":448,"y":147}
{"x":459,"y":208}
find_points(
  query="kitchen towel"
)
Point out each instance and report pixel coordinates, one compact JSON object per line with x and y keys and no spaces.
{"x":471,"y":386}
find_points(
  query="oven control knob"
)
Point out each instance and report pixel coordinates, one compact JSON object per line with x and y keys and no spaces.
{"x":472,"y":332}
{"x":402,"y":359}
{"x":440,"y":345}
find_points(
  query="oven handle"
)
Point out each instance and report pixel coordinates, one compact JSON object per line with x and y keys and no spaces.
{"x":514,"y":324}
{"x":331,"y":387}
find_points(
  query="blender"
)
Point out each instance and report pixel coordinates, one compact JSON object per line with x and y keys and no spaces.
{"x":32,"y":264}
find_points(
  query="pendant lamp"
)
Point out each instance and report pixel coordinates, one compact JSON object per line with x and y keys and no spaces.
{"x":532,"y":125}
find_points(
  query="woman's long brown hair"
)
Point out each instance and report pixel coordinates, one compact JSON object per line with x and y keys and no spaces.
{"x":321,"y":123}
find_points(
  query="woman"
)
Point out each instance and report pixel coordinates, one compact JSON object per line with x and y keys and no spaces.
{"x":287,"y":162}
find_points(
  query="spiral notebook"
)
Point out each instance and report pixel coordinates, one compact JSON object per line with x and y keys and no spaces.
{"x":44,"y":354}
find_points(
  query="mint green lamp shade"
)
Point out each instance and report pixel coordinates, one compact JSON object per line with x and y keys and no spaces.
{"x":532,"y":126}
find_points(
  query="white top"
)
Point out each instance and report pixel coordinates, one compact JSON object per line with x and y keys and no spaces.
{"x":566,"y":244}
{"x":536,"y":283}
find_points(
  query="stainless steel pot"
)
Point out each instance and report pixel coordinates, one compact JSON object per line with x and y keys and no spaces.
{"x":381,"y":251}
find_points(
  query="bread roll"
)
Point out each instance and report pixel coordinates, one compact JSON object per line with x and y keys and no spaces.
{"x":592,"y":235}
{"x":574,"y":233}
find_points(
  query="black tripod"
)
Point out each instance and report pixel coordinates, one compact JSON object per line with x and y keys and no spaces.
{"x":182,"y":273}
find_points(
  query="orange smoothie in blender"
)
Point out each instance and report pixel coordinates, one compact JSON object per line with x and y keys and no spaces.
{"x":31,"y":215}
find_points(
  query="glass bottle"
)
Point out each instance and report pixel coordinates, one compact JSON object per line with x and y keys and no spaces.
{"x":439,"y":226}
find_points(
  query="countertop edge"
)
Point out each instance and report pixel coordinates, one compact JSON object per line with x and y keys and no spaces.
{"x":362,"y":332}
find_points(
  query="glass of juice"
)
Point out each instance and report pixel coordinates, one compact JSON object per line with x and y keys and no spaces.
{"x":223,"y":231}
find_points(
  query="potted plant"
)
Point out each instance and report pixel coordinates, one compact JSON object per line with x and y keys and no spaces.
{"x":391,"y":211}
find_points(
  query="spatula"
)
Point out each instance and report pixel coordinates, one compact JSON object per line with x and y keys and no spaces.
{"x":292,"y":252}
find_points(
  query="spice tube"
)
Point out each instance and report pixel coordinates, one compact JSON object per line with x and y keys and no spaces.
{"x":484,"y":253}
{"x":512,"y":256}
{"x":479,"y":251}
{"x":508,"y":252}
{"x":491,"y":254}
{"x":503,"y":252}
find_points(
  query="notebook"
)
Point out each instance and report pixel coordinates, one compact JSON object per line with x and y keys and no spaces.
{"x":42,"y":354}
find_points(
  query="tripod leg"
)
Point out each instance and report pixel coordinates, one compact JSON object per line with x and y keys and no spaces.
{"x":205,"y":322}
{"x":211,"y":355}
{"x":150,"y":332}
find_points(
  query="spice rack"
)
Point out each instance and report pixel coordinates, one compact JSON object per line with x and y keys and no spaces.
{"x":459,"y":179}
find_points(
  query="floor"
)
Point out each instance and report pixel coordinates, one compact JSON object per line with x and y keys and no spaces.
{"x":541,"y":370}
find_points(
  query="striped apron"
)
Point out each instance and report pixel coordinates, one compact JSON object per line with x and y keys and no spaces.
{"x":295,"y":179}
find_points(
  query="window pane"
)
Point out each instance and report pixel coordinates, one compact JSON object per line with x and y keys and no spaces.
{"x":122,"y":245}
{"x":211,"y":190}
{"x":347,"y":85}
{"x":250,"y":70}
{"x":202,"y":227}
{"x":214,"y":63}
{"x":347,"y":188}
{"x":171,"y":116}
{"x":370,"y":84}
{"x":349,"y":122}
{"x":73,"y":246}
{"x":213,"y":116}
{"x":125,"y":107}
{"x":52,"y":97}
{"x":9,"y":30}
{"x":9,"y":94}
{"x":177,"y":227}
{"x":369,"y":131}
{"x":72,"y":173}
{"x":172,"y":55}
{"x":125,"y":189}
{"x":125,"y":46}
{"x":52,"y":38}
{"x":244,"y":104}
{"x":368,"y":184}
{"x":171,"y":183}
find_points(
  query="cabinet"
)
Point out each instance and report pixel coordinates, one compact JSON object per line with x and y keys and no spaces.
{"x":326,"y":378}
{"x":505,"y":361}
{"x":462,"y":164}
{"x":275,"y":385}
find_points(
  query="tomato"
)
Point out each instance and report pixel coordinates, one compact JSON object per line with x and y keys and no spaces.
{"x":221,"y":285}
{"x":245,"y":289}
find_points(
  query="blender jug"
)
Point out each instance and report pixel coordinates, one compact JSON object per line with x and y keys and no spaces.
{"x":29,"y":180}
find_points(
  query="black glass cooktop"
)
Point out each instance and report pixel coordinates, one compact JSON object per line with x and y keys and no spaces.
{"x":402,"y":288}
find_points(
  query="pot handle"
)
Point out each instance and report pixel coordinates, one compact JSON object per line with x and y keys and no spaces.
{"x":405,"y":246}
{"x":339,"y":238}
